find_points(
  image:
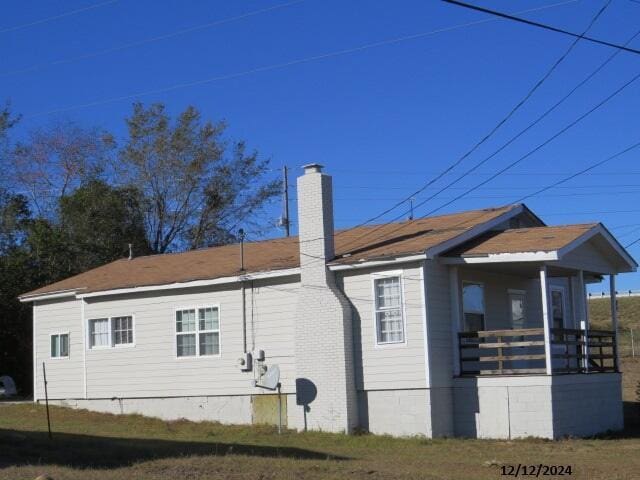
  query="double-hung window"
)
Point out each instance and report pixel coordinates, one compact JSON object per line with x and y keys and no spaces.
{"x":60,"y":345}
{"x":198,"y":332}
{"x":122,"y":330}
{"x":99,"y":333}
{"x":111,"y":332}
{"x":473,"y":306}
{"x":389,"y":312}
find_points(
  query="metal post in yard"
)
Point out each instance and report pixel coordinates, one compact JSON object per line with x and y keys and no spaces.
{"x":46,"y":399}
{"x":279,"y":410}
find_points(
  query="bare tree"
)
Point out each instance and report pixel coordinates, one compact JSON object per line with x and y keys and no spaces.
{"x":196,"y":185}
{"x":54,"y":161}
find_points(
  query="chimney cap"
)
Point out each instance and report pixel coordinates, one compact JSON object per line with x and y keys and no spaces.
{"x":312,"y":168}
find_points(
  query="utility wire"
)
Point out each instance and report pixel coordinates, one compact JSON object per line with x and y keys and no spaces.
{"x":543,"y":144}
{"x":521,"y":132}
{"x":581,"y":172}
{"x":632,"y":243}
{"x":56,"y":17}
{"x":517,"y":161}
{"x":146,"y":41}
{"x":542,"y":25}
{"x":276,"y":66}
{"x":497,"y":127}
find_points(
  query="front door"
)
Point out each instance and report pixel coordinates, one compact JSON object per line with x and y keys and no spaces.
{"x":517,"y":308}
{"x":558,"y":307}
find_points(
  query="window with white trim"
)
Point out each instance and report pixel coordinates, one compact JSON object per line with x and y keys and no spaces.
{"x":110,"y":332}
{"x":99,"y":333}
{"x":60,"y":345}
{"x":473,"y":306}
{"x":122,"y":330}
{"x":198,"y":332}
{"x":388,"y":310}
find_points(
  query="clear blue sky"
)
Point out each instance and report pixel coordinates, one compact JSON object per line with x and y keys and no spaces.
{"x":383,"y":120}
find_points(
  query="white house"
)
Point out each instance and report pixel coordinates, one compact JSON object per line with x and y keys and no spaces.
{"x":470,"y":324}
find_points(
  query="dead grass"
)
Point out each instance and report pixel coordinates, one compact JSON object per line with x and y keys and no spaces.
{"x":90,"y":446}
{"x":628,"y":318}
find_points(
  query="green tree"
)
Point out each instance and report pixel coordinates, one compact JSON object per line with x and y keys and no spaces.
{"x":16,"y":275}
{"x":98,"y":222}
{"x":197,"y":187}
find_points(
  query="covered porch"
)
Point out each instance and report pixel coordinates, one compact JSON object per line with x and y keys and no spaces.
{"x":526,"y":361}
{"x":519,"y":312}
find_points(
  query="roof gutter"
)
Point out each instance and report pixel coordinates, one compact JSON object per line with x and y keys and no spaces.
{"x":196,"y":283}
{"x":48,"y":295}
{"x":376,"y":263}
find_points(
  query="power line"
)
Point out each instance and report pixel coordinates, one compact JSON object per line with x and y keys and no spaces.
{"x":146,"y":41}
{"x":504,"y":197}
{"x":577,"y":174}
{"x":522,"y":132}
{"x":517,"y":161}
{"x":495,"y":128}
{"x":276,"y":66}
{"x":542,"y":25}
{"x":543,"y":144}
{"x":632,"y":243}
{"x":56,"y":17}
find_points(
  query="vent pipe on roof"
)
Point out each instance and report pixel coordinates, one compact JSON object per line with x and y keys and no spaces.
{"x":241,"y":235}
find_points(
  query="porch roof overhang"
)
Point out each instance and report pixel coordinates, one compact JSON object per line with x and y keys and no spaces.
{"x":588,"y":247}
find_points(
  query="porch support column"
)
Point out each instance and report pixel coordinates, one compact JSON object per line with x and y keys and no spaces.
{"x":454,"y":286}
{"x":584,"y":323}
{"x":546,"y":309}
{"x":614,"y":319}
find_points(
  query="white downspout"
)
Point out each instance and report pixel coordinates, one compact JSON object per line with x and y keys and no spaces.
{"x":35,"y":355}
{"x":84,"y":346}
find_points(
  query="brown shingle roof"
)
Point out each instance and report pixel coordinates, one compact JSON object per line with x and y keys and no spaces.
{"x":363,"y":243}
{"x":520,"y":240}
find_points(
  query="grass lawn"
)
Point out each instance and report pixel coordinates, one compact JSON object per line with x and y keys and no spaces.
{"x":628,"y":318}
{"x":98,"y":446}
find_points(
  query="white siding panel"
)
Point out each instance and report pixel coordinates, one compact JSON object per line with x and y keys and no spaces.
{"x":151,"y":368}
{"x":587,"y":257}
{"x":64,"y":375}
{"x":393,"y":366}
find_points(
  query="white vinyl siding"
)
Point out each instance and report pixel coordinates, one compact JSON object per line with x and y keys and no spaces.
{"x":64,"y":374}
{"x":198,"y":336}
{"x":60,"y":345}
{"x":392,"y":366}
{"x":270,"y":326}
{"x":389,"y":310}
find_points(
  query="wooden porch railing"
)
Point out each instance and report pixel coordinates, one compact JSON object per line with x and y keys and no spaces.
{"x":522,"y":351}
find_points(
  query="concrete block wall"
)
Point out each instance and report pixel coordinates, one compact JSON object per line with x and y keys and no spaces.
{"x":401,"y":413}
{"x":227,"y":409}
{"x":584,"y":405}
{"x":537,"y":406}
{"x":325,"y":383}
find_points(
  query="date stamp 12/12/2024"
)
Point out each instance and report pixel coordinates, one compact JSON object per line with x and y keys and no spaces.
{"x":539,"y":470}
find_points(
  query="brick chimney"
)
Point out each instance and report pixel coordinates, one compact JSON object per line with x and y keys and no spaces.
{"x":325,"y":383}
